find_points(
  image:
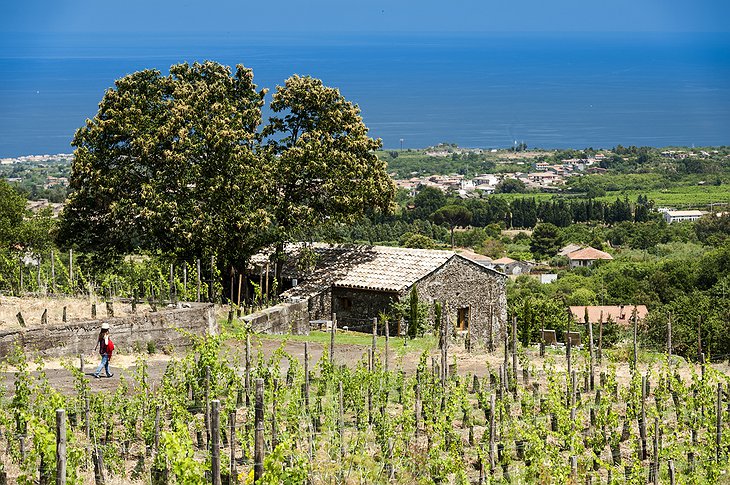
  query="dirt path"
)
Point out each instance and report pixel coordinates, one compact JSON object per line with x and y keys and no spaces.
{"x":476,"y":363}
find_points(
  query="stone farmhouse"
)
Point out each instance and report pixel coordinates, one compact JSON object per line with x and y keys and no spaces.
{"x":357,"y":283}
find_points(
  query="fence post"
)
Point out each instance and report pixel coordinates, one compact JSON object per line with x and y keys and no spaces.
{"x":232,"y":425}
{"x":333,"y":330}
{"x":197,"y":291}
{"x":258,"y":467}
{"x":64,"y":318}
{"x":387,"y":338}
{"x":206,"y":415}
{"x":341,"y":422}
{"x":215,"y":445}
{"x":60,"y":447}
{"x":306,"y":376}
{"x":375,"y":337}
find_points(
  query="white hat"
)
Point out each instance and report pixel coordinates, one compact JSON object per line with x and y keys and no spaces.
{"x":105,"y":326}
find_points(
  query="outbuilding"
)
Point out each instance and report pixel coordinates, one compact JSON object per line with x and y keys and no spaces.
{"x":358,"y":283}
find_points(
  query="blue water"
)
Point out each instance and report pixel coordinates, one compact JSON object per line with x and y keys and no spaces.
{"x":548,"y":90}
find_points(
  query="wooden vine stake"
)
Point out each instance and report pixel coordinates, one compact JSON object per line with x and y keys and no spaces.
{"x":375,"y":339}
{"x":514,"y":353}
{"x":215,"y":445}
{"x":333,"y":330}
{"x":258,"y":467}
{"x":60,"y":447}
{"x":590,"y":355}
{"x":387,"y":338}
{"x":718,"y":423}
{"x":232,"y":425}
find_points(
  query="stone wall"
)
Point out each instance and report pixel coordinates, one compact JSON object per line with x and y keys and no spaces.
{"x":72,"y":338}
{"x":462,"y":283}
{"x":280,"y":319}
{"x":356,"y":308}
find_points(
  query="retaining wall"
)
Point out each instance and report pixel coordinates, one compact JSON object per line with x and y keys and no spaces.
{"x":280,"y":319}
{"x":72,"y":338}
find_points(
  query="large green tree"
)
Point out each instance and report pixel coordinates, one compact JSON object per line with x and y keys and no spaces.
{"x":178,"y":164}
{"x":323,"y":164}
{"x":545,"y":240}
{"x":453,"y":216}
{"x":169,"y":163}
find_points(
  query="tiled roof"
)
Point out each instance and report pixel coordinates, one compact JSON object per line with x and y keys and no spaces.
{"x":569,"y":249}
{"x":589,"y":253}
{"x":377,"y":268}
{"x":504,"y":260}
{"x":620,"y":314}
{"x":393,"y":269}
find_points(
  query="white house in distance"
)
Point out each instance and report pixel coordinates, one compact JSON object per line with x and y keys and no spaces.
{"x":586,"y":257}
{"x":682,"y":216}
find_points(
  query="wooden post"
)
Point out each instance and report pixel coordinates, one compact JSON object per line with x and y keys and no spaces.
{"x":212,"y":272}
{"x":669,"y":335}
{"x":718,"y":423}
{"x":87,"y":418}
{"x":417,"y":407}
{"x":492,"y":430}
{"x":247,"y":377}
{"x":274,"y":437}
{"x":671,"y":472}
{"x":387,"y":339}
{"x":232,"y":440}
{"x":341,"y":423}
{"x":238,"y":293}
{"x":636,"y":350}
{"x":656,"y":452}
{"x":590,"y":354}
{"x":60,"y":447}
{"x":44,"y":317}
{"x":306,"y":375}
{"x":64,"y":317}
{"x":71,"y":270}
{"x":600,"y":338}
{"x":206,"y":414}
{"x":642,"y":419}
{"x":20,"y":318}
{"x":215,"y":445}
{"x":197,"y":292}
{"x":157,"y":428}
{"x":333,"y":330}
{"x":699,"y":338}
{"x":542,"y":336}
{"x":568,"y":344}
{"x":93,"y":310}
{"x":445,"y":348}
{"x":171,"y":283}
{"x":53,"y":270}
{"x":375,"y":338}
{"x":514,"y":352}
{"x":81,"y":362}
{"x":258,"y":467}
{"x":110,"y":309}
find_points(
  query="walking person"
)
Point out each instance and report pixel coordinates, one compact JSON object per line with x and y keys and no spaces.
{"x":106,"y":348}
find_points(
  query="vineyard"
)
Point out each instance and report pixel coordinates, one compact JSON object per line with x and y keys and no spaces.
{"x":225,"y":412}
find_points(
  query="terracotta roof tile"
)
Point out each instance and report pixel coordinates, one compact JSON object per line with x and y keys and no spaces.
{"x":589,"y":253}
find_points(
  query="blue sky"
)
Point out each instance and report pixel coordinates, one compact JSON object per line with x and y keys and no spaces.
{"x":234,"y":16}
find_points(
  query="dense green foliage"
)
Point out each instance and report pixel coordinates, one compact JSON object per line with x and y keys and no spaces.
{"x":179,"y":164}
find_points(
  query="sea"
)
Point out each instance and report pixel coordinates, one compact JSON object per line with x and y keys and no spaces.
{"x":487,"y":90}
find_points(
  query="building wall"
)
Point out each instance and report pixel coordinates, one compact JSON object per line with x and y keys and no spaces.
{"x":70,"y":339}
{"x":460,"y":283}
{"x":356,"y":308}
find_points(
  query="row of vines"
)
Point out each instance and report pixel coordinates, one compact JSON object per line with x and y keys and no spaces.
{"x":372,"y":423}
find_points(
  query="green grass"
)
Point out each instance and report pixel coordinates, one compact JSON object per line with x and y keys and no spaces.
{"x":397,"y":344}
{"x":355,"y":338}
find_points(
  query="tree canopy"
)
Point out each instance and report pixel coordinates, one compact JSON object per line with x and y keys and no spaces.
{"x":179,"y":163}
